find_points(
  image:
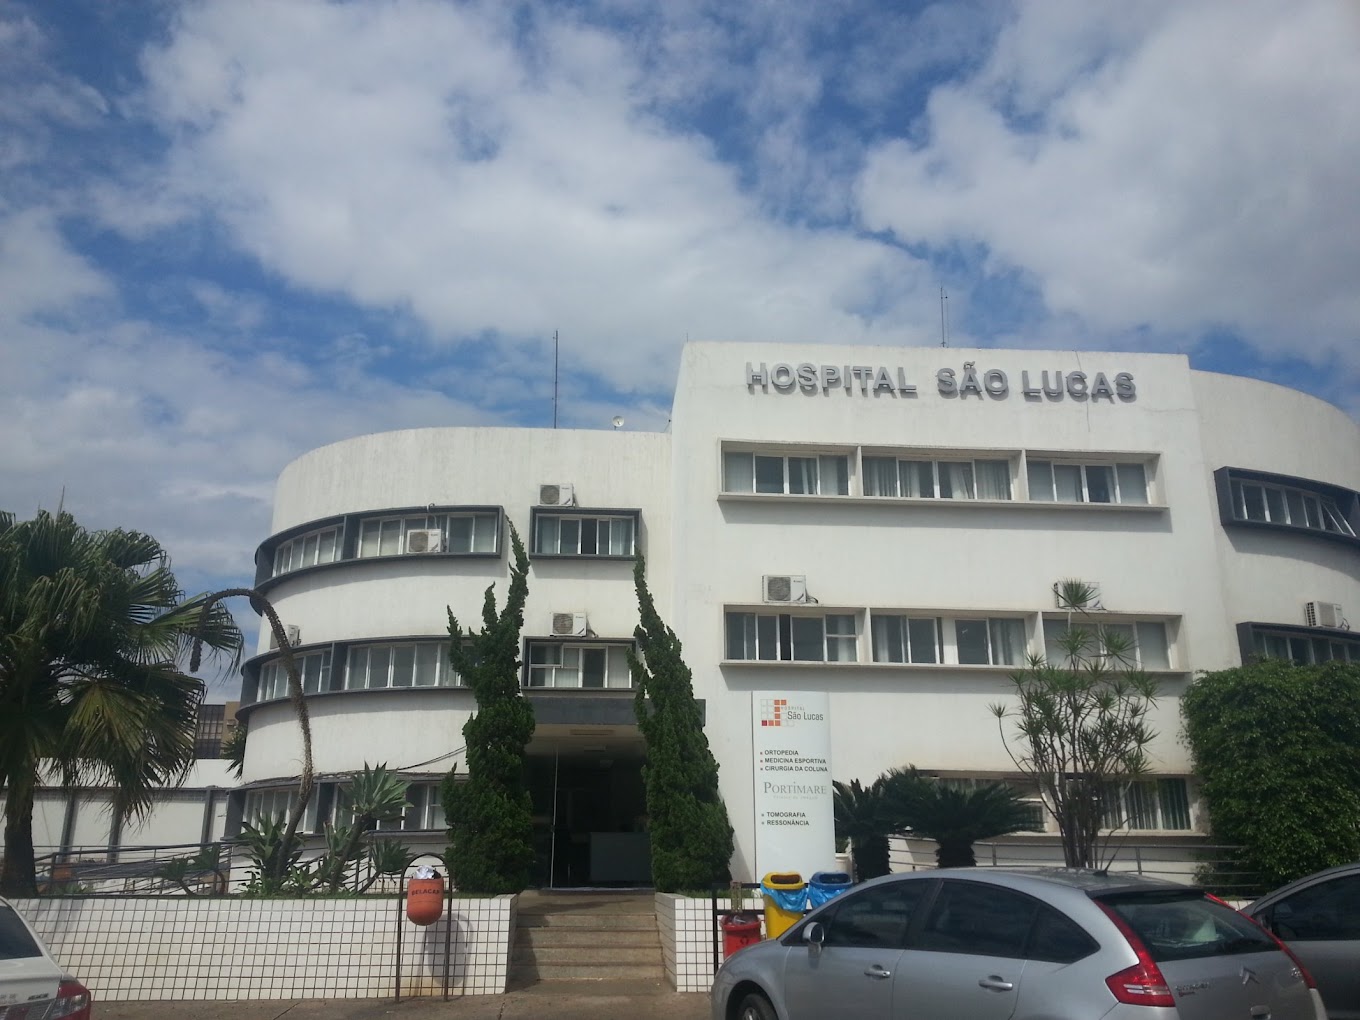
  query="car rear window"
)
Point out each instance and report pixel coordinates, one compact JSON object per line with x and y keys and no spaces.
{"x":15,"y":941}
{"x":1187,"y":926}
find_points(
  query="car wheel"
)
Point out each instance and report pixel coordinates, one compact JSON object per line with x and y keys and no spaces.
{"x":755,"y":1007}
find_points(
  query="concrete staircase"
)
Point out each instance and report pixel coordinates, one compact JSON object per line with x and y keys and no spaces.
{"x":586,"y":936}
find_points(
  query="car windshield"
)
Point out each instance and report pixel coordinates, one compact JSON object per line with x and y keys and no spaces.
{"x":1187,"y":926}
{"x":15,"y":941}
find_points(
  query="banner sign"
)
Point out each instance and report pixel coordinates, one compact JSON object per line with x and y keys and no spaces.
{"x":791,"y":746}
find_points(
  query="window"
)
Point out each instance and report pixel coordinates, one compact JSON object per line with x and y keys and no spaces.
{"x":876,"y":918}
{"x":905,"y":638}
{"x":1187,"y":925}
{"x":1306,"y":649}
{"x":460,"y":533}
{"x":563,"y":535}
{"x":1055,"y":481}
{"x":16,"y":943}
{"x":424,"y":809}
{"x":1325,"y":912}
{"x":991,"y":642}
{"x":1140,"y":645}
{"x":1147,"y":804}
{"x":937,"y":479}
{"x":556,"y":664}
{"x":806,"y":475}
{"x":314,"y":669}
{"x":262,"y":805}
{"x":307,"y":550}
{"x":978,"y":919}
{"x":1056,"y":938}
{"x":832,"y":637}
{"x":1268,"y":503}
{"x":407,"y":664}
{"x":1037,"y":820}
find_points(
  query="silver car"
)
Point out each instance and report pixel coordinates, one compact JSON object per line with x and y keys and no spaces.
{"x":1318,"y":917}
{"x":1028,"y":944}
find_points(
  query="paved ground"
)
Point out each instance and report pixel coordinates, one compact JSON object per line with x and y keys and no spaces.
{"x":556,"y":1000}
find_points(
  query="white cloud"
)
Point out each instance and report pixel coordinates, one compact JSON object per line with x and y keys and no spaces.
{"x":1183,"y":172}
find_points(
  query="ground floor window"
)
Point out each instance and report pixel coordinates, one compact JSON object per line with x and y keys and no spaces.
{"x":1147,"y":804}
{"x":1305,"y":649}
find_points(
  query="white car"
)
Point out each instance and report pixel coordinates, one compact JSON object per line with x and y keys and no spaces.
{"x":32,"y":984}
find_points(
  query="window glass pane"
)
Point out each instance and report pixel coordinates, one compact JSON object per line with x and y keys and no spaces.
{"x":357,"y":674}
{"x":1054,"y":633}
{"x":617,"y":674}
{"x":1312,"y":511}
{"x":769,"y":474}
{"x":1142,"y":805}
{"x":1118,"y":641}
{"x":590,"y":534}
{"x":309,"y":550}
{"x":738,"y":472}
{"x":835,"y":476}
{"x":1100,"y":483}
{"x":993,"y":479}
{"x":1040,"y":475}
{"x":741,"y":636}
{"x":918,"y":478}
{"x":888,"y":638}
{"x":880,"y":476}
{"x":956,"y":480}
{"x":1325,"y":912}
{"x":1275,"y":505}
{"x":379,"y":658}
{"x":923,"y":635}
{"x":1333,"y":519}
{"x":368,"y":538}
{"x":802,"y":475}
{"x":548,"y":535}
{"x":767,"y":641}
{"x":403,"y":665}
{"x":459,"y":535}
{"x":593,"y":663}
{"x":840,"y":638}
{"x":1067,"y":483}
{"x":876,"y":917}
{"x":979,"y":920}
{"x":1058,"y":939}
{"x":1153,"y":649}
{"x":1008,"y":642}
{"x":1254,"y":502}
{"x":1174,"y":802}
{"x":971,"y":636}
{"x":326,"y":548}
{"x":427,"y":664}
{"x":389,"y":540}
{"x":435,"y":814}
{"x":485,"y":531}
{"x":807,"y":639}
{"x":330,"y":681}
{"x":1132,"y":483}
{"x":310,"y":668}
{"x":1296,"y":650}
{"x":571,"y":536}
{"x":621,"y":537}
{"x":1293,"y":500}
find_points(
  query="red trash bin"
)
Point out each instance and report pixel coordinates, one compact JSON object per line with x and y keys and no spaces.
{"x":739,"y":931}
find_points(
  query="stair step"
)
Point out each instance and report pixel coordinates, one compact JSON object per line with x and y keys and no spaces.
{"x":558,"y":936}
{"x":528,"y":973}
{"x":586,"y":954}
{"x":597,"y":922}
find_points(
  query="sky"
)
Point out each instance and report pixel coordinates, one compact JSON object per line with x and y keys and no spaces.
{"x":231,"y":232}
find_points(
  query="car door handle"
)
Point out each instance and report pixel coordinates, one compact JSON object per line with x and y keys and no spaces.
{"x":877,"y":972}
{"x":997,"y":984}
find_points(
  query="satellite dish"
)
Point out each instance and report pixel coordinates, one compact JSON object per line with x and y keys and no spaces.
{"x":617,"y":422}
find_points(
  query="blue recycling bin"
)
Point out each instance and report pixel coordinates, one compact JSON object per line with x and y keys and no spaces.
{"x":826,"y":885}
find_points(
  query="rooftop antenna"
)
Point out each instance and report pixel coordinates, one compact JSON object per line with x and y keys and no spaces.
{"x":554,"y":378}
{"x":944,"y":318}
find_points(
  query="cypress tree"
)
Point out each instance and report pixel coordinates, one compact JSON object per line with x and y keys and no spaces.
{"x":489,"y":813}
{"x":690,"y":834}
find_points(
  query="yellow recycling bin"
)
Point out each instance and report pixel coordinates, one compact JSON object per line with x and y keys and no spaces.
{"x":785,"y":895}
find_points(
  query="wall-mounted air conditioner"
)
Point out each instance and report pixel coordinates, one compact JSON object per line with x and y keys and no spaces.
{"x":1075,"y":593}
{"x":556,"y":494}
{"x":570,"y":625}
{"x":424,"y":540}
{"x":294,"y":634}
{"x":784,"y":588}
{"x":1323,"y":614}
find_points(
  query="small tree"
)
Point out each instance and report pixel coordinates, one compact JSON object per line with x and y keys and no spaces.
{"x":868,"y":817}
{"x":1277,"y":750}
{"x":1081,"y":725}
{"x":956,"y":819}
{"x":490,"y":815}
{"x":690,"y":834}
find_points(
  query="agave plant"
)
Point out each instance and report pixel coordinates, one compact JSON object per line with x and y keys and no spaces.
{"x":271,"y":853}
{"x":375,"y":795}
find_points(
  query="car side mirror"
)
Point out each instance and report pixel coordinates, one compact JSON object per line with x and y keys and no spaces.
{"x":814,"y":934}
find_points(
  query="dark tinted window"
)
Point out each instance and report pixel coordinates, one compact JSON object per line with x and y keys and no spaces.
{"x":875,"y":918}
{"x":1185,"y":926}
{"x":1326,"y":911}
{"x":15,"y":941}
{"x":1058,"y":939}
{"x":983,"y":920}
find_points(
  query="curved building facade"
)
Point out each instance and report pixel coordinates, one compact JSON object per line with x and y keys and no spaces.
{"x":875,"y":531}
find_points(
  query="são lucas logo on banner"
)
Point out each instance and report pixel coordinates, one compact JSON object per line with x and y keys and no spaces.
{"x":778,"y":712}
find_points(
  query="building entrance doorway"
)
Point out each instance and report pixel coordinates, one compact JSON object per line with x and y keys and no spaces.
{"x":590,"y":819}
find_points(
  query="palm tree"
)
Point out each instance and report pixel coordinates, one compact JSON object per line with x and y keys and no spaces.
{"x":867,"y":817}
{"x":91,"y":623}
{"x":956,"y":819}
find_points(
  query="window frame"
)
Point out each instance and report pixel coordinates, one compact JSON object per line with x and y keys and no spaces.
{"x":818,"y":456}
{"x":596,"y":515}
{"x":936,"y":461}
{"x":782,"y":633}
{"x":1084,"y":464}
{"x":1337,"y":507}
{"x":615,"y":653}
{"x":1079,"y":621}
{"x":443,"y":666}
{"x":1137,"y":799}
{"x":335,"y":532}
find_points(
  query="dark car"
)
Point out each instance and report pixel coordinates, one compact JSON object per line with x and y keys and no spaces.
{"x":1018,"y":944}
{"x":1318,"y":917}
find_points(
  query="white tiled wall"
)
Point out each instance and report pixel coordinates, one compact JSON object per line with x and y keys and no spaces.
{"x":190,"y":948}
{"x":689,"y":935}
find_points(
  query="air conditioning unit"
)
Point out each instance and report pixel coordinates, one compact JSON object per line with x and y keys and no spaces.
{"x":570,"y":624}
{"x":1074,"y":593}
{"x":424,"y":540}
{"x":294,"y":634}
{"x":784,"y":588}
{"x":1324,"y":614}
{"x":557,"y":494}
